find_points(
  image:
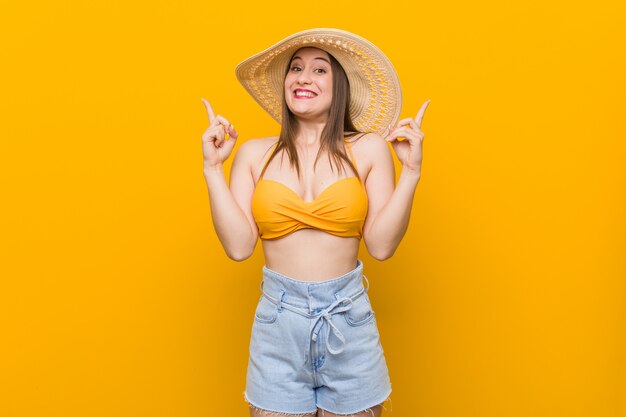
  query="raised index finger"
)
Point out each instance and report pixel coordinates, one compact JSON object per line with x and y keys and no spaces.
{"x":420,"y":113}
{"x":209,"y":110}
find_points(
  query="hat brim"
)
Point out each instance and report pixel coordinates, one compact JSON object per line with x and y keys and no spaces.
{"x":375,"y":93}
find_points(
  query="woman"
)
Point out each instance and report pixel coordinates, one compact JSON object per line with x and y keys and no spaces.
{"x":311,"y":194}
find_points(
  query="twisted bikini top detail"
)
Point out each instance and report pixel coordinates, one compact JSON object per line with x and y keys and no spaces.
{"x":340,"y":209}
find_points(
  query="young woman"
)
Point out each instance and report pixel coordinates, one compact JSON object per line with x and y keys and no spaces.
{"x":310,"y":194}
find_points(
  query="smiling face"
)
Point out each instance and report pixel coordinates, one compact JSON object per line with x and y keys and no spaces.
{"x":309,"y":84}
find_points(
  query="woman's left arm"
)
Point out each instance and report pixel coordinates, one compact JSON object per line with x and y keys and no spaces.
{"x":389,"y":207}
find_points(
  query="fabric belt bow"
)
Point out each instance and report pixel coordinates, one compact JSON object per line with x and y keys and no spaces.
{"x":339,"y":306}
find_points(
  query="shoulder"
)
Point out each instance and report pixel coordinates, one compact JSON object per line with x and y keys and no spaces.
{"x":369,"y":147}
{"x":254,"y":150}
{"x":368,"y":142}
{"x":251,"y":155}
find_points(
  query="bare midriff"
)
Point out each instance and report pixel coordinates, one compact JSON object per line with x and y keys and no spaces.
{"x":311,"y":255}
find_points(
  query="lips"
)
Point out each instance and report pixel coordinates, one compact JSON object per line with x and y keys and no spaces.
{"x":301,"y":93}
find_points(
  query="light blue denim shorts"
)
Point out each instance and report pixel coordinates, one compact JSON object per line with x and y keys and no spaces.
{"x":315,"y":345}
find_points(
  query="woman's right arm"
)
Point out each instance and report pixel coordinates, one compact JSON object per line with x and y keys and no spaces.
{"x":231,"y":208}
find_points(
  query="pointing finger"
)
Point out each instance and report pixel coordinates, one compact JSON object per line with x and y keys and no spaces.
{"x":420,"y":113}
{"x":209,"y":110}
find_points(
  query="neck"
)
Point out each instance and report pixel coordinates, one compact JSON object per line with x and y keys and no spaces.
{"x":309,"y":132}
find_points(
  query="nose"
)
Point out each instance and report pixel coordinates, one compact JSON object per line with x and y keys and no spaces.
{"x":304,"y":78}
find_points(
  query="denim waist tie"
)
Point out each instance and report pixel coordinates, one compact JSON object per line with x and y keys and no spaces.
{"x":339,"y":306}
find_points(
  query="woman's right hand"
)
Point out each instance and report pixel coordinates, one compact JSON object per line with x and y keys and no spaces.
{"x":216,"y":147}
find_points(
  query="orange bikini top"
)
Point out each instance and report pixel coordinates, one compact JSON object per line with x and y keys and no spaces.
{"x":340,"y":209}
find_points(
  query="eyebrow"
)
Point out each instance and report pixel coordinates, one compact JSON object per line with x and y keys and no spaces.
{"x":317,"y":57}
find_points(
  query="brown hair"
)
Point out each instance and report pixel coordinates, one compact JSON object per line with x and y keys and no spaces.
{"x":339,"y":121}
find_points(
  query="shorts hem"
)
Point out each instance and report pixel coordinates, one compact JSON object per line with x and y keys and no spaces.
{"x":273,"y":409}
{"x":359,"y":409}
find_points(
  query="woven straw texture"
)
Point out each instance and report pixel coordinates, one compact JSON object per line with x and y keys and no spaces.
{"x":375,"y":94}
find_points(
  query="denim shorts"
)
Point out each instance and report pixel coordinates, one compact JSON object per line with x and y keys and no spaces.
{"x":315,"y":345}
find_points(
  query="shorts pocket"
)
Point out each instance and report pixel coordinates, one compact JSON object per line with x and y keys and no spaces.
{"x":361,"y":312}
{"x":266,"y":311}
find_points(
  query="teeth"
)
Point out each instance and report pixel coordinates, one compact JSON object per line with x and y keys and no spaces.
{"x":304,"y":94}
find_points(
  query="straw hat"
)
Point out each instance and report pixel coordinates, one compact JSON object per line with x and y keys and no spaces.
{"x":375,"y":95}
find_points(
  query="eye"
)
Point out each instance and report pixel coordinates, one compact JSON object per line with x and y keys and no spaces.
{"x":321,"y":70}
{"x":295,"y":68}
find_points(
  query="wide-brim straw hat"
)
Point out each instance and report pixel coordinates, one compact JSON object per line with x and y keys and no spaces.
{"x":375,"y":94}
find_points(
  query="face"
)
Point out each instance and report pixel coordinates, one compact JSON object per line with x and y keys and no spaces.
{"x":309,"y":83}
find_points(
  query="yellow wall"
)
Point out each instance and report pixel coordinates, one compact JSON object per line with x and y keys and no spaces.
{"x":506,"y":297}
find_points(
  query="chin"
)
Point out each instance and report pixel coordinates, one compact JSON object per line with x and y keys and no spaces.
{"x":307,"y":113}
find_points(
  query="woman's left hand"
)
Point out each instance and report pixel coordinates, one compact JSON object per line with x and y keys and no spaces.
{"x":409,"y":151}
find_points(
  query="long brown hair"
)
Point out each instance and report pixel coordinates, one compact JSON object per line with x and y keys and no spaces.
{"x":339,"y":121}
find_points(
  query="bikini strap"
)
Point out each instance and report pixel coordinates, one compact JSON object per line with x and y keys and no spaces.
{"x":351,"y":154}
{"x":268,"y":159}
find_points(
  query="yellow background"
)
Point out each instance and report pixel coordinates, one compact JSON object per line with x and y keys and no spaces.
{"x":507,"y":296}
